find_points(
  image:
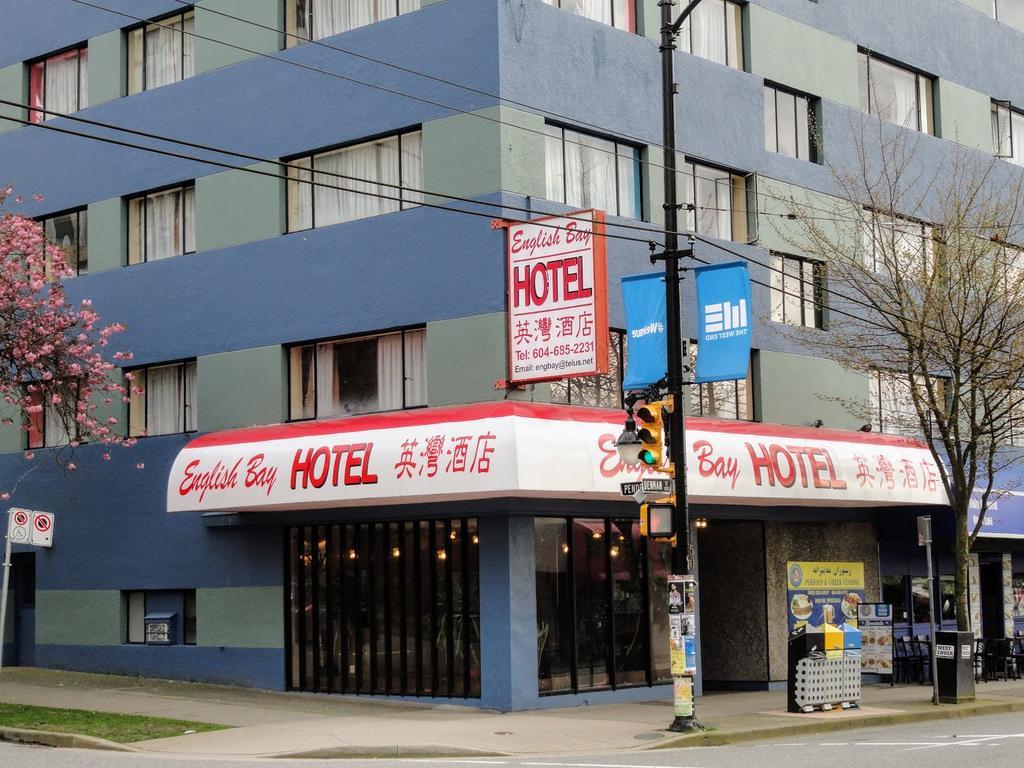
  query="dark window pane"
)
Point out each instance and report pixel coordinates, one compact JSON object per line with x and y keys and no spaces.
{"x":919,"y":594}
{"x":629,"y":603}
{"x":590,"y":569}
{"x":554,"y":605}
{"x":894,"y":592}
{"x":189,"y":617}
{"x":659,"y":566}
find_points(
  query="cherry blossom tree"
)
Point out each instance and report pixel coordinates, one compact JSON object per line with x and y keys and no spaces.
{"x":56,"y":378}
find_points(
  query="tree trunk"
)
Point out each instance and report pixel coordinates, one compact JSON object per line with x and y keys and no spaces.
{"x":960,"y":557}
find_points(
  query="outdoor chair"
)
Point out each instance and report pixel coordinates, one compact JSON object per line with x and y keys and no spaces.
{"x":900,"y":661}
{"x":1018,"y":653}
{"x":922,"y":650}
{"x":999,"y":658}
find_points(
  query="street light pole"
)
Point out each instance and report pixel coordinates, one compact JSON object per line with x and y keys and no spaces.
{"x":681,"y":565}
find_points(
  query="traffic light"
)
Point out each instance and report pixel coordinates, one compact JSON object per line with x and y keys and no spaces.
{"x":652,"y":434}
{"x":656,"y":518}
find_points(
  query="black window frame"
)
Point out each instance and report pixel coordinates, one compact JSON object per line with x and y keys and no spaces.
{"x":813,"y":137}
{"x":143,"y":198}
{"x":187,"y":406}
{"x":161,"y":19}
{"x":292,"y":37}
{"x":815,"y":293}
{"x":611,"y":4}
{"x":697,"y":394}
{"x":77,"y":47}
{"x":740,"y":32}
{"x":78,"y":212}
{"x":919,"y":76}
{"x":76,"y":436}
{"x":314,"y":343}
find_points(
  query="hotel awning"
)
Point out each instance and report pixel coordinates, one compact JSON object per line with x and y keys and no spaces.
{"x":513,"y":449}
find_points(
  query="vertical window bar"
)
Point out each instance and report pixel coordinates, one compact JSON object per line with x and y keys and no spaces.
{"x":300,"y":565}
{"x":358,"y":607}
{"x":314,"y":578}
{"x":573,"y":649}
{"x":432,"y":538}
{"x":403,"y":615}
{"x":609,"y":602}
{"x":449,"y":609}
{"x":648,"y":618}
{"x":344,"y":604}
{"x":290,"y":559}
{"x":467,"y":621}
{"x":333,"y":564}
{"x":371,"y":591}
{"x":417,"y":528}
{"x":385,"y":554}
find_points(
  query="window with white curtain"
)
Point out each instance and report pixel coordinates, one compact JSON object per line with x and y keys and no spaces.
{"x":900,"y":247}
{"x":355,"y":182}
{"x":714,"y":31}
{"x":317,"y":19}
{"x":1010,"y":12}
{"x":892,"y":402}
{"x":716,"y":201}
{"x":163,"y":399}
{"x":1008,"y":132}
{"x":384,"y":372}
{"x":895,"y":94}
{"x":44,"y":425}
{"x":162,"y":224}
{"x":161,"y":52}
{"x":69,"y":231}
{"x":586,"y":171}
{"x":721,"y":399}
{"x":798,"y":290}
{"x":58,"y":83}
{"x":620,"y":14}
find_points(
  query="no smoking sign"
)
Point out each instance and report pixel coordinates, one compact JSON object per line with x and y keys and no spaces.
{"x":30,"y":527}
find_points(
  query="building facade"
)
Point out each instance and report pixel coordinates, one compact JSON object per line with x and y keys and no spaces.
{"x":362,"y":276}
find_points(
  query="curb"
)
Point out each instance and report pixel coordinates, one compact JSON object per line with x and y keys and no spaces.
{"x":721,"y":738}
{"x":65,"y":740}
{"x":397,"y":751}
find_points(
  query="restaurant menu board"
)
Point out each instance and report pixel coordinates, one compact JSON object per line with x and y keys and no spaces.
{"x":876,"y":637}
{"x":824,"y":593}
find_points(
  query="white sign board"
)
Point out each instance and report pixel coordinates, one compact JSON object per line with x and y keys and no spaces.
{"x":945,"y":651}
{"x":557,"y":298}
{"x":19,"y":528}
{"x":42,"y":530}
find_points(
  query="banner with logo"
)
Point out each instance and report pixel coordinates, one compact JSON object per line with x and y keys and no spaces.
{"x":646,"y":342}
{"x":723,"y":322}
{"x":1004,"y":517}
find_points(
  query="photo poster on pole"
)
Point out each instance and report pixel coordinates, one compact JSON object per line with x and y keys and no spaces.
{"x":682,"y":616}
{"x":876,"y":628}
{"x":821,"y":593}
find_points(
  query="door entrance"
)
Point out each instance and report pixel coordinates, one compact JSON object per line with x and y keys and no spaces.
{"x":20,"y":642}
{"x":991,"y":576}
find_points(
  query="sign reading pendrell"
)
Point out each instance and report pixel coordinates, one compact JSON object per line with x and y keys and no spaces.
{"x":557,"y":298}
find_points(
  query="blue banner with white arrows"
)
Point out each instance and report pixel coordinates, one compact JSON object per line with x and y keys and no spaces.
{"x":723,"y":322}
{"x":646,"y":342}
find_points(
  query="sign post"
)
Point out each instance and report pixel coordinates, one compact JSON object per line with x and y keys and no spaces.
{"x":924,"y":539}
{"x":23,"y":527}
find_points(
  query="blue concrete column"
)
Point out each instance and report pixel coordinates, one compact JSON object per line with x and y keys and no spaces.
{"x":508,"y":613}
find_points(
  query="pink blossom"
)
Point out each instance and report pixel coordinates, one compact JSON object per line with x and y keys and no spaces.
{"x":140,"y":465}
{"x":29,"y":455}
{"x":71,"y":466}
{"x":106,"y":457}
{"x":5,"y":496}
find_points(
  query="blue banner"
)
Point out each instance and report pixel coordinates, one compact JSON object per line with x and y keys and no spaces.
{"x":723,"y":322}
{"x":646,"y":342}
{"x":1004,"y":517}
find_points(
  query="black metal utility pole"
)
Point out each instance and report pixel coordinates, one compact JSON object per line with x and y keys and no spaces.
{"x":673,"y":328}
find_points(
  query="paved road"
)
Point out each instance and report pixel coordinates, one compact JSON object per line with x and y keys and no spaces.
{"x":995,"y":741}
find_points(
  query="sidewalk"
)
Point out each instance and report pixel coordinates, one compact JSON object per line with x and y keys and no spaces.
{"x":269,"y":723}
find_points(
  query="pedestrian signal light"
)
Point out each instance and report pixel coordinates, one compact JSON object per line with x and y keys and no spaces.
{"x":656,"y":518}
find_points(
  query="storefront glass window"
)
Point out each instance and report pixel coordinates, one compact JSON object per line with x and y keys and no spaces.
{"x":919,"y":594}
{"x":1018,"y":595}
{"x":947,"y":598}
{"x":894,"y":592}
{"x":389,"y":608}
{"x":600,"y":594}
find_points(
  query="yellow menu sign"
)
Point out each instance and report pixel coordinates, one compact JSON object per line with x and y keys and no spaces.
{"x":811,"y":575}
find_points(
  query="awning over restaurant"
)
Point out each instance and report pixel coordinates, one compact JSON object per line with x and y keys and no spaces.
{"x":513,"y":449}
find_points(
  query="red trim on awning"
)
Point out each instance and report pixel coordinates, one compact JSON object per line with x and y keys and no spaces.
{"x":459,"y":413}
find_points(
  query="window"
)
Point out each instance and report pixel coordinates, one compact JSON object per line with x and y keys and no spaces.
{"x":1009,"y":12}
{"x":721,"y":399}
{"x":900,"y":247}
{"x":181,"y":603}
{"x":46,"y":425}
{"x":384,"y":607}
{"x":387,"y":170}
{"x":317,"y":19}
{"x":59,"y":83}
{"x":70,"y":232}
{"x":798,"y":291}
{"x":620,"y":14}
{"x":788,"y":119}
{"x":716,"y":201}
{"x":585,"y":171}
{"x":1007,"y":132}
{"x":892,"y":402}
{"x":162,"y":224}
{"x":894,"y":592}
{"x":602,"y":607}
{"x":602,"y":391}
{"x":919,"y":595}
{"x":163,"y":399}
{"x":1018,"y":595}
{"x":135,"y":617}
{"x":715,"y":31}
{"x":947,"y":598}
{"x":1014,"y":415}
{"x":895,"y":94}
{"x":162,"y":52}
{"x":371,"y":373}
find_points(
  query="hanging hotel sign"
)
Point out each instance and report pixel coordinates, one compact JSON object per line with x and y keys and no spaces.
{"x":513,"y":449}
{"x":557,"y":297}
{"x":1004,"y":517}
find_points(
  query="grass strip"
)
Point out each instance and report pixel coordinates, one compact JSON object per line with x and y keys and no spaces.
{"x":104,"y":725}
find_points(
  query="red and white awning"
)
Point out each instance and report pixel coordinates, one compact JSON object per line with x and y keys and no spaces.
{"x":512,"y":449}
